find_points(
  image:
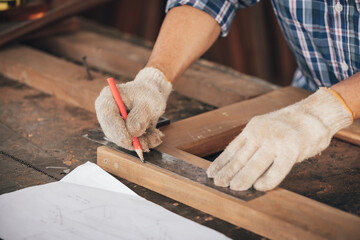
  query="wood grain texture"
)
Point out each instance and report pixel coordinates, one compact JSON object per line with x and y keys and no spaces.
{"x":204,"y":81}
{"x":279,"y":214}
{"x":52,"y":75}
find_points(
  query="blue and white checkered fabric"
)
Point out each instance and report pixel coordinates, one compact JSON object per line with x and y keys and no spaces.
{"x":324,"y":35}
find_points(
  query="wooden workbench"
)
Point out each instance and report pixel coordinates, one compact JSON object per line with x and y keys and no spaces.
{"x":39,"y":130}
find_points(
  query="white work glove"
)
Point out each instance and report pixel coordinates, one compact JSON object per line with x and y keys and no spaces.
{"x":264,"y":153}
{"x":145,"y":99}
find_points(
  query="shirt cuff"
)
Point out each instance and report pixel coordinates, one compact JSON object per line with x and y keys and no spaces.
{"x":222,"y":11}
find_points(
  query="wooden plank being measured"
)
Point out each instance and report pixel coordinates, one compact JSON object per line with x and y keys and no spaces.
{"x":68,"y":81}
{"x":210,"y":132}
{"x":279,"y":214}
{"x":204,"y":81}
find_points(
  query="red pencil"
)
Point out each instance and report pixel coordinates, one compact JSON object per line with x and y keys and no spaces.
{"x":123,"y":113}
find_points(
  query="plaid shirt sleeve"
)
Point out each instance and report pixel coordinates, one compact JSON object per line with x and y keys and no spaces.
{"x":324,"y":36}
{"x":223,"y":11}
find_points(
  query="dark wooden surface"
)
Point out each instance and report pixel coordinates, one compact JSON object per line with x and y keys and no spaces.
{"x":43,"y":131}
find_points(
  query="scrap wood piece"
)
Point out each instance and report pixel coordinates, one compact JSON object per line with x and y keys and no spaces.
{"x":204,"y":81}
{"x":68,"y":82}
{"x":60,"y":11}
{"x":210,"y":132}
{"x":278,"y":214}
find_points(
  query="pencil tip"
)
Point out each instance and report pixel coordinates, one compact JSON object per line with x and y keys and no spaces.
{"x":140,"y":154}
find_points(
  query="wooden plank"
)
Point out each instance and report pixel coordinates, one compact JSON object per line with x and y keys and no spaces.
{"x":68,"y":8}
{"x":210,"y":132}
{"x":52,"y":75}
{"x":47,"y":74}
{"x":350,"y":134}
{"x":279,"y":214}
{"x":204,"y":81}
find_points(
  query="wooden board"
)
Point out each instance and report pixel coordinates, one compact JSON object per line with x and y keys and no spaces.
{"x":279,"y":214}
{"x":210,"y":132}
{"x":47,"y":74}
{"x":350,"y":134}
{"x":204,"y":81}
{"x":52,"y":75}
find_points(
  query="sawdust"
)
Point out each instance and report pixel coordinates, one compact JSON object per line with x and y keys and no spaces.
{"x":69,"y":160}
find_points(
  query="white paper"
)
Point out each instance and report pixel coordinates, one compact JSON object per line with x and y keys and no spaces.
{"x":91,"y":175}
{"x":91,"y":204}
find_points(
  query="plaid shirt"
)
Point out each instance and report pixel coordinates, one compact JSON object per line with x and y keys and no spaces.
{"x":324,"y":35}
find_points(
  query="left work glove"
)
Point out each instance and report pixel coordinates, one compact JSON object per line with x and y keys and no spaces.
{"x":264,"y":153}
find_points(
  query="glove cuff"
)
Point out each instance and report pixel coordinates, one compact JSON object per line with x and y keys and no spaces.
{"x":153,"y":76}
{"x":325,"y":106}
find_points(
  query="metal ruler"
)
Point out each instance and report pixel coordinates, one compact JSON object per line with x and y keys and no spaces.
{"x":174,"y":165}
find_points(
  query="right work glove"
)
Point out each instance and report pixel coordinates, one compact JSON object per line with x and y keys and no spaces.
{"x":145,"y":99}
{"x":269,"y":146}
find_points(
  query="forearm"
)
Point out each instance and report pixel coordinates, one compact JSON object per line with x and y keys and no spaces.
{"x":185,"y":35}
{"x":349,"y":90}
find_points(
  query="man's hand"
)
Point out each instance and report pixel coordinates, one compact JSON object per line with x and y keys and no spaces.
{"x":264,"y":153}
{"x":145,"y":98}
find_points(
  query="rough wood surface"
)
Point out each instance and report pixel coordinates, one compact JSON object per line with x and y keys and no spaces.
{"x":279,"y":214}
{"x":52,"y":130}
{"x":333,"y":177}
{"x":52,"y":75}
{"x":8,"y":34}
{"x":204,"y":81}
{"x":14,"y":175}
{"x":28,"y":154}
{"x":40,"y":131}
